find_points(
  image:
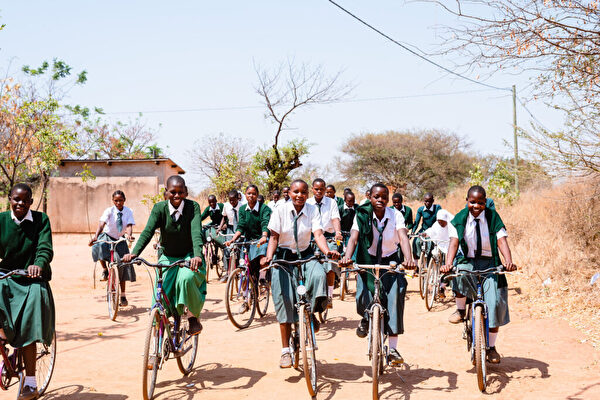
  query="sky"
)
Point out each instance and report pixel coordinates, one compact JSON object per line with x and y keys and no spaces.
{"x":176,"y":62}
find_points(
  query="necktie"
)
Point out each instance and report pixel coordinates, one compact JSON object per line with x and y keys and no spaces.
{"x":319,"y":206}
{"x":174,"y":216}
{"x":296,"y":234}
{"x":478,"y":233}
{"x":120,"y":221}
{"x":235,"y":218}
{"x":380,"y":239}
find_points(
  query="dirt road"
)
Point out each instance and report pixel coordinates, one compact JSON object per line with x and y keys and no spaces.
{"x":100,"y":359}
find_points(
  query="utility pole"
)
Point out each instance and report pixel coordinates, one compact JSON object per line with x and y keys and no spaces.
{"x":516,"y":144}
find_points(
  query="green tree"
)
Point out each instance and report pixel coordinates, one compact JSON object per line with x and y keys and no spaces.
{"x":275,"y":165}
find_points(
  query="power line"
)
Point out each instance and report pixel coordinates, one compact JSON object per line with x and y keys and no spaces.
{"x":235,"y":108}
{"x":414,"y":52}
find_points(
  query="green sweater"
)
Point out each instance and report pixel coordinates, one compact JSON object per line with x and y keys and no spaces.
{"x":429,"y":218}
{"x":252,"y":224}
{"x":347,"y":217}
{"x":27,"y":244}
{"x":407,"y":214}
{"x":178,"y":239}
{"x":215,"y":216}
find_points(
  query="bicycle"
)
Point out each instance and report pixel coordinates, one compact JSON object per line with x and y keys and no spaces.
{"x":344,"y":275}
{"x":242,"y":290}
{"x":432,"y":277}
{"x":13,"y":365}
{"x":113,"y":285}
{"x":302,"y":338}
{"x":476,"y":328}
{"x":166,"y":334}
{"x":422,"y":264}
{"x":377,"y":350}
{"x":211,"y":252}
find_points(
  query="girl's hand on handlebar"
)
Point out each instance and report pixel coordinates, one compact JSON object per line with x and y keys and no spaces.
{"x":227,"y":243}
{"x":509,"y":266}
{"x":34,"y":271}
{"x":334,"y":255}
{"x":409,"y":264}
{"x":128,"y":257}
{"x":91,"y":243}
{"x":266,"y":260}
{"x":261,"y":241}
{"x":446,"y":268}
{"x":346,"y":260}
{"x":195,"y":263}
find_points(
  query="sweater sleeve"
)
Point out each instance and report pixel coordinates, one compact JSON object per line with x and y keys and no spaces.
{"x":242,"y":221}
{"x":148,"y":232}
{"x":409,"y":219}
{"x":417,"y":220}
{"x":197,"y":241}
{"x":44,"y":252}
{"x":265,"y":217}
{"x":205,"y":214}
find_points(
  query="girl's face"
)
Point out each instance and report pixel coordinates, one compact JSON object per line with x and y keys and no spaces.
{"x":330,"y":193}
{"x":379,"y":198}
{"x":442,"y":223}
{"x":397,"y":202}
{"x":20,"y":201}
{"x":212,"y":202}
{"x":118,"y":201}
{"x":233,"y":200}
{"x":286,"y":193}
{"x":299,"y":193}
{"x":177,"y":193}
{"x":251,"y":196}
{"x":476,"y":203}
{"x":275,"y":197}
{"x":319,"y":190}
{"x":350,"y":200}
{"x":428,"y":201}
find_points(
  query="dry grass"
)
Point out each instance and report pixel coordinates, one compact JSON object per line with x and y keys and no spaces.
{"x":554,"y":234}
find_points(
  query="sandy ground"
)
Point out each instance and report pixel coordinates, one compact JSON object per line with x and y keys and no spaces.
{"x":101,"y":359}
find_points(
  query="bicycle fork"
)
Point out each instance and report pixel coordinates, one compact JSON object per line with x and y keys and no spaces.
{"x":480,"y":303}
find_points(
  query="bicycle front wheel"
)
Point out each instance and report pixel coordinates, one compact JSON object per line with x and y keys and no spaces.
{"x":113,"y":291}
{"x":343,"y":285}
{"x":152,"y":355}
{"x":480,"y":348}
{"x":239,"y":301}
{"x":422,"y":273}
{"x":431,"y":283}
{"x":375,"y":338}
{"x":44,"y":363}
{"x":307,"y":346}
{"x":264,"y":290}
{"x":188,"y":348}
{"x":208,"y":259}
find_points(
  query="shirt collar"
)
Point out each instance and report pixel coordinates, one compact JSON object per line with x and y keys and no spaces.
{"x":213,"y":209}
{"x":347,"y":208}
{"x":291,"y":209}
{"x":28,"y":217}
{"x":428,"y":209}
{"x":385,"y":216}
{"x":178,"y":209}
{"x":401,"y":209}
{"x":471,"y":218}
{"x":256,"y":207}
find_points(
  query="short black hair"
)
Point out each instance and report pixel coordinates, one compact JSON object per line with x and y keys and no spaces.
{"x":331,"y":187}
{"x":477,"y":189}
{"x":369,"y":190}
{"x":397,"y":196}
{"x":175,"y":180}
{"x":287,"y":187}
{"x":21,"y":186}
{"x":346,"y":194}
{"x":428,"y":194}
{"x":260,"y":198}
{"x":277,"y":192}
{"x":379,"y":185}
{"x":318,"y":180}
{"x":347,"y":190}
{"x":253,"y":186}
{"x":232,"y":193}
{"x":212,"y":196}
{"x":118,"y":193}
{"x":302,"y":181}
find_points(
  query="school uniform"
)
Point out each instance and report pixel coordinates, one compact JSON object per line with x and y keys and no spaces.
{"x":114,"y":222}
{"x":26,"y":305}
{"x":480,"y":251}
{"x":283,"y":201}
{"x":406,"y":212}
{"x":216,"y":215}
{"x":377,"y":244}
{"x":295,"y":230}
{"x":180,"y":238}
{"x":233,"y":215}
{"x":428,"y":215}
{"x":339,"y":201}
{"x":253,"y":222}
{"x":346,"y":220}
{"x":272,"y":204}
{"x":328,"y":211}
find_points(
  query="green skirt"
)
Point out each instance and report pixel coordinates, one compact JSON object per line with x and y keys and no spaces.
{"x":184,"y":287}
{"x":26,"y":311}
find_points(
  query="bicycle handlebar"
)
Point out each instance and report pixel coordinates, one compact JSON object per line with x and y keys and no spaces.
{"x":121,"y":239}
{"x":17,"y":272}
{"x":140,"y":261}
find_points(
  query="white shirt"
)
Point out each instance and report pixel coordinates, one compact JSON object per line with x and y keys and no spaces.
{"x":390,"y":233}
{"x":28,"y":217}
{"x":439,"y":234}
{"x":228,"y":212}
{"x":282,"y":223}
{"x":256,"y":207}
{"x":471,"y":235}
{"x":282,"y":201}
{"x":272,"y":204}
{"x":109,"y":217}
{"x":329,"y":212}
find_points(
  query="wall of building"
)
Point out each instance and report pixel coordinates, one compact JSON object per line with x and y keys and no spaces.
{"x":75,"y":206}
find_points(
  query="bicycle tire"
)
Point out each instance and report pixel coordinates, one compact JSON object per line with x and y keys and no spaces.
{"x":294,"y":344}
{"x":186,"y":356}
{"x":375,"y":338}
{"x":44,"y":363}
{"x":208,"y":259}
{"x":430,"y":284}
{"x":264,"y":294}
{"x":113,"y":292}
{"x":469,"y":331}
{"x":232,"y":293}
{"x":307,"y":345}
{"x":480,"y":348}
{"x":152,"y":353}
{"x":219,"y":266}
{"x":422,"y":273}
{"x":343,"y":287}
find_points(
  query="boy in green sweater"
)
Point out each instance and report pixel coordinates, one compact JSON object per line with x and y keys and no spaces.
{"x":26,"y":303}
{"x":181,"y":238}
{"x":428,"y":213}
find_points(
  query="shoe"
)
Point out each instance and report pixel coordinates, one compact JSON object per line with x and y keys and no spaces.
{"x":223,"y":279}
{"x":104,"y":275}
{"x":395,"y":358}
{"x":441,"y":294}
{"x":28,"y":393}
{"x":457,"y":317}
{"x":363,"y":328}
{"x":285,"y":361}
{"x":123,"y":302}
{"x":492,"y":356}
{"x":329,"y":302}
{"x":195,"y":327}
{"x":243,"y":308}
{"x":316,"y":323}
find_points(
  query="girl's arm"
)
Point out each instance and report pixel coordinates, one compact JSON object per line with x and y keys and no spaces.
{"x":271,"y":248}
{"x":452,"y":250}
{"x":350,"y":247}
{"x":405,"y":245}
{"x":505,"y":250}
{"x":322,"y":243}
{"x":98,"y":232}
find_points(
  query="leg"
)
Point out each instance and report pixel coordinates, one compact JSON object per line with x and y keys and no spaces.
{"x":315,"y":280}
{"x":29,"y":358}
{"x":364,"y":297}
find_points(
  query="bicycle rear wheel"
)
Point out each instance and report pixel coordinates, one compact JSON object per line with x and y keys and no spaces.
{"x":375,"y":341}
{"x":188,"y":348}
{"x":240,"y":303}
{"x":343,"y":285}
{"x":480,"y":348}
{"x":431,"y":283}
{"x":152,"y":355}
{"x":264,"y":290}
{"x":44,"y":363}
{"x":220,"y":267}
{"x":113,"y":291}
{"x":208,"y":259}
{"x":307,"y":345}
{"x":422,"y":273}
